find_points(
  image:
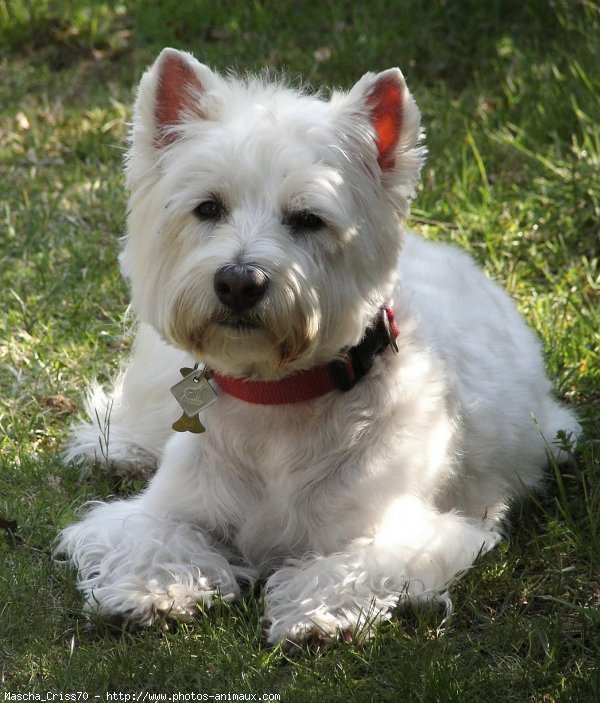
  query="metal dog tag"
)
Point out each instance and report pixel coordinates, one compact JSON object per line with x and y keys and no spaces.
{"x":193,"y":393}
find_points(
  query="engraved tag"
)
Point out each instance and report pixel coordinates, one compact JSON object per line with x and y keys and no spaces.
{"x":193,"y":393}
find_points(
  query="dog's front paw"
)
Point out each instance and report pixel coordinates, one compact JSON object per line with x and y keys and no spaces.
{"x":177,"y":601}
{"x":320,"y":629}
{"x":139,"y":568}
{"x":157,"y":601}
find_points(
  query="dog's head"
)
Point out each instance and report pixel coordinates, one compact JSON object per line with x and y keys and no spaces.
{"x":265,"y":223}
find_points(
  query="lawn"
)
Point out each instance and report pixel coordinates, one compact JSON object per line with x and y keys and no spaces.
{"x":510,"y":94}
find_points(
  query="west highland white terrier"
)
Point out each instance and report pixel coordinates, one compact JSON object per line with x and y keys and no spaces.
{"x":359,"y":407}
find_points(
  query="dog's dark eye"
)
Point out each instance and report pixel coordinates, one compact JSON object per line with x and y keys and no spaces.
{"x":209,"y":210}
{"x":303,"y":221}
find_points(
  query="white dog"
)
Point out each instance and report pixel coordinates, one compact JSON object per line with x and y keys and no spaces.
{"x":378,"y":402}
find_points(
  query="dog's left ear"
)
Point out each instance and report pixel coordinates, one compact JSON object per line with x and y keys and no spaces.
{"x":385,"y":105}
{"x":394,"y":123}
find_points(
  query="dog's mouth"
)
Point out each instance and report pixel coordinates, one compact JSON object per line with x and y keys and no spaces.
{"x":239,"y":323}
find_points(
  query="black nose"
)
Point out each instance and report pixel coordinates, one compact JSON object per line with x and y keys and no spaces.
{"x":240,"y":286}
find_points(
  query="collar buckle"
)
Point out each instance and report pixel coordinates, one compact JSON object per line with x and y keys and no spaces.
{"x":386,"y":320}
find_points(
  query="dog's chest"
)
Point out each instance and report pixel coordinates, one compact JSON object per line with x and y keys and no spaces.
{"x":294,"y":473}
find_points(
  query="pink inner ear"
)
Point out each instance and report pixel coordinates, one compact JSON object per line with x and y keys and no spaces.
{"x":385,"y":101}
{"x":176,"y":94}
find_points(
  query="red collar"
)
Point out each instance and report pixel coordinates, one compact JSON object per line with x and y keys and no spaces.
{"x":341,"y":374}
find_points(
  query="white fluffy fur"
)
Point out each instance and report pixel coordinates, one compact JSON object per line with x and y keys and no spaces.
{"x":354,"y":502}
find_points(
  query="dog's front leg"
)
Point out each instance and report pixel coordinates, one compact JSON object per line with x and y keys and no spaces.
{"x":412,"y":556}
{"x":141,"y":567}
{"x":151,"y":557}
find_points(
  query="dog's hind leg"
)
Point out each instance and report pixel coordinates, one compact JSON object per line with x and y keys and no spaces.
{"x":412,"y":558}
{"x":127,"y":427}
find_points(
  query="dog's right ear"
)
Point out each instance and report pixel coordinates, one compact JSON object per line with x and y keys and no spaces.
{"x":178,"y":93}
{"x":170,"y":94}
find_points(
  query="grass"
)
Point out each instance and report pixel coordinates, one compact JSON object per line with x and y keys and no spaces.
{"x":511,"y":101}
